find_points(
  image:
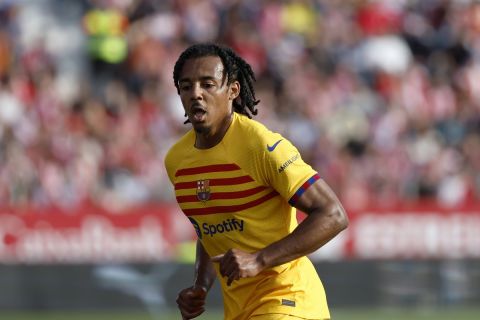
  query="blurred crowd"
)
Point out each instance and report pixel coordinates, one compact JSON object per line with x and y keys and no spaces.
{"x":381,"y":97}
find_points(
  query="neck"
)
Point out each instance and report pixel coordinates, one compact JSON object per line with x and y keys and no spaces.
{"x":210,"y":138}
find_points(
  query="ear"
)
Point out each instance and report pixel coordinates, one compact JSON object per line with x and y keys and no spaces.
{"x":234,"y":90}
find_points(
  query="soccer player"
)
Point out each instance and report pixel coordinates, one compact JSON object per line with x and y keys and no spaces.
{"x":239,"y":184}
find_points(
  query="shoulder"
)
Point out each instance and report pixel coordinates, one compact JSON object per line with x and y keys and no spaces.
{"x":264,"y":145}
{"x":255,"y":134}
{"x":177,"y":151}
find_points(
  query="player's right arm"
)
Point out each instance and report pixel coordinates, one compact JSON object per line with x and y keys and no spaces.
{"x":191,"y":301}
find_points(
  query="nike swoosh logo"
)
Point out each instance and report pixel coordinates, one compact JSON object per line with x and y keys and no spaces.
{"x":274,"y":145}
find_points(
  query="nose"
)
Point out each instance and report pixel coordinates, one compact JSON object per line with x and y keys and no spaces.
{"x":196,"y":92}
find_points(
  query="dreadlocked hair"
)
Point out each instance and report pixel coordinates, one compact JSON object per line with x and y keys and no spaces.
{"x":235,"y":68}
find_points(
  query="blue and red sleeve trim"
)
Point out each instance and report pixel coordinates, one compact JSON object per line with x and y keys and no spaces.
{"x":293,"y":200}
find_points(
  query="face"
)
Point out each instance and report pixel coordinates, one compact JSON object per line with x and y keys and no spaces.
{"x":205,"y":95}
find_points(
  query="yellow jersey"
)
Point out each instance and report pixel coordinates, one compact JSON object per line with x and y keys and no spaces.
{"x":239,"y":194}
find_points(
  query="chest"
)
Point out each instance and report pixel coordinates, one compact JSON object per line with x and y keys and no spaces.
{"x":214,"y":187}
{"x":227,"y":205}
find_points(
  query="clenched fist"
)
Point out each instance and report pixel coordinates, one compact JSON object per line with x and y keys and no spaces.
{"x":191,"y":302}
{"x":236,"y":264}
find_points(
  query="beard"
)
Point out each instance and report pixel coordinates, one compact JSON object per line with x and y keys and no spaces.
{"x":202,"y":130}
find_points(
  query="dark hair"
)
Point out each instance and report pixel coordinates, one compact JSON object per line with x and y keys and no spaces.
{"x":235,"y":68}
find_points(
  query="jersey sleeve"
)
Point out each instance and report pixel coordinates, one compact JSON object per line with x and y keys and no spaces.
{"x":285,"y":170}
{"x":169,"y":163}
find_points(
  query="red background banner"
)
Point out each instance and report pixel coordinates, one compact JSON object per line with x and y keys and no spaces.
{"x":150,"y":233}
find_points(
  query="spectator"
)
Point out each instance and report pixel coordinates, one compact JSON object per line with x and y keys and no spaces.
{"x":382,"y":132}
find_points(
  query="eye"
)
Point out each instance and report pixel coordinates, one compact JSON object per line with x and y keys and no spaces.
{"x":185,"y":87}
{"x":208,"y":85}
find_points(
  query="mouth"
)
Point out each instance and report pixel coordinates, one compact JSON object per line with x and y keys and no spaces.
{"x":198,"y":113}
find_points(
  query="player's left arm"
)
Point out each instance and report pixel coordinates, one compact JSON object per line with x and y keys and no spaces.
{"x":326,"y":218}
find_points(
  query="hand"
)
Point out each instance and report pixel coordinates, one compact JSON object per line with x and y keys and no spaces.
{"x":236,"y":264}
{"x":191,"y":302}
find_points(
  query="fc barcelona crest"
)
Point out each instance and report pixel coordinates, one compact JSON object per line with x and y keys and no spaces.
{"x":203,"y":190}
